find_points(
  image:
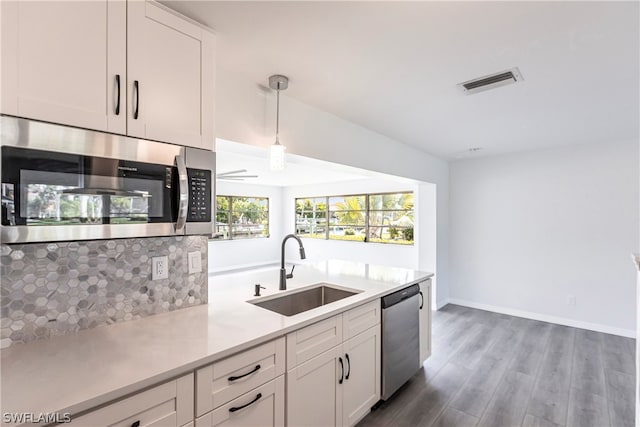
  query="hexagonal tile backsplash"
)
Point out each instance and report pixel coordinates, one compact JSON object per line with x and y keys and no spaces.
{"x":57,"y":288}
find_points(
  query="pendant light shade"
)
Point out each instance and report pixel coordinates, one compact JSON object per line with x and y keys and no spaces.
{"x":277,"y":159}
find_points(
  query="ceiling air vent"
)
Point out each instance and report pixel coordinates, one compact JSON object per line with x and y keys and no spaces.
{"x":491,"y":81}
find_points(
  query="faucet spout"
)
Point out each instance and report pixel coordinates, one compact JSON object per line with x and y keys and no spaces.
{"x":283,"y":271}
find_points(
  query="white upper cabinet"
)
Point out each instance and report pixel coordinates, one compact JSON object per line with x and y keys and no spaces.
{"x":60,"y":60}
{"x":170,"y":77}
{"x":129,"y":67}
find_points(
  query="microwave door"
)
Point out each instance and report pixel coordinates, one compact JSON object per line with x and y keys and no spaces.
{"x":71,"y":193}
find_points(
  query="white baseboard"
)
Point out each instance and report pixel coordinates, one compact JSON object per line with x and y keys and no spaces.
{"x":440,"y":304}
{"x":542,"y":317}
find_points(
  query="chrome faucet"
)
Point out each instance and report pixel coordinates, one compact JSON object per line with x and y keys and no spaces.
{"x":283,"y":272}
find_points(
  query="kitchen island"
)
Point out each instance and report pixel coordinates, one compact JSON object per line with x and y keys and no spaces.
{"x":75,"y":373}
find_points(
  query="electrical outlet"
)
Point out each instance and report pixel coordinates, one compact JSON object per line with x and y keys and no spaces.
{"x":159,"y":268}
{"x":571,"y":300}
{"x":195,"y":262}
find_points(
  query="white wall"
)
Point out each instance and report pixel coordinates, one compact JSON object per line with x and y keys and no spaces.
{"x":427,"y":236}
{"x":231,"y":254}
{"x":234,"y":254}
{"x":245,"y":113}
{"x":530,"y":229}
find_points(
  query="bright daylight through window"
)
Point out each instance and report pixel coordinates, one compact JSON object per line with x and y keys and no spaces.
{"x":240,"y":217}
{"x":378,"y":218}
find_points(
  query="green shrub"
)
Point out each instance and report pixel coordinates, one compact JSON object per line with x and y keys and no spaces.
{"x":407,"y":233}
{"x":393,"y":232}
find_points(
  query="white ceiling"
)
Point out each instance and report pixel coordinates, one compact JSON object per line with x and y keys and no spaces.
{"x":393,"y":66}
{"x":233,"y":156}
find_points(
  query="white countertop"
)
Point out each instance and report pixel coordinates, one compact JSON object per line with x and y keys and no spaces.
{"x":73,"y":373}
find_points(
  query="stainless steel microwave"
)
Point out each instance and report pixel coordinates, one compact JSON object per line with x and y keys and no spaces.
{"x":62,"y":183}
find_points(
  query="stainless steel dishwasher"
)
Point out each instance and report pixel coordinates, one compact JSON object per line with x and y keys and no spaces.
{"x":400,"y":338}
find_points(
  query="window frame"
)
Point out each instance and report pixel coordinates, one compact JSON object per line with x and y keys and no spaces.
{"x":367,"y":212}
{"x":229,"y":212}
{"x":325,"y":216}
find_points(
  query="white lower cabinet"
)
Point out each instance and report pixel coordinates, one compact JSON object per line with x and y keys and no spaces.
{"x":330,"y":381}
{"x":314,"y":391}
{"x":246,"y":389}
{"x":229,"y":378}
{"x":263,"y":406}
{"x":339,"y":386}
{"x":306,"y":343}
{"x":169,"y":404}
{"x":362,"y":375}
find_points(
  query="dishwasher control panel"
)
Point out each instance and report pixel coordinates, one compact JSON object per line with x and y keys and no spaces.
{"x":400,"y":295}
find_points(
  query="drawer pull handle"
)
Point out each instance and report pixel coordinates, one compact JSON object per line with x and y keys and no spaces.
{"x":346,"y":356}
{"x":237,"y":408}
{"x":341,"y":371}
{"x":136,"y":424}
{"x":421,"y":300}
{"x":244,"y":375}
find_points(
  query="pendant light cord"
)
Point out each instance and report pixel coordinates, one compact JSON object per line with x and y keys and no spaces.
{"x":277,"y":113}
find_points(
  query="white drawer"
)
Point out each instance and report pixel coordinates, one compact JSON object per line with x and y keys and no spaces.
{"x":306,"y":343}
{"x":169,"y":404}
{"x":263,"y":406}
{"x":359,"y":319}
{"x":227,"y":379}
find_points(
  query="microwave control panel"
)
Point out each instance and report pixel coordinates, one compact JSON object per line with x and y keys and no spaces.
{"x":200,"y":204}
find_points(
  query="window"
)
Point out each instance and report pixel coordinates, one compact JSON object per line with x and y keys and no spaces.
{"x":311,"y":217}
{"x":240,"y":217}
{"x":378,"y":218}
{"x":348,"y":218}
{"x":391,"y":218}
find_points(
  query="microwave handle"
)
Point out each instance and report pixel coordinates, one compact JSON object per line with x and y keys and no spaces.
{"x":183,"y":194}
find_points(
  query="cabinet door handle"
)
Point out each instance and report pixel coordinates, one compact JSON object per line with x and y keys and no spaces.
{"x":118,"y":98}
{"x":135,"y":424}
{"x":244,"y":375}
{"x":346,"y":356}
{"x":237,"y":408}
{"x":341,"y":371}
{"x":136,"y":90}
{"x":421,"y":300}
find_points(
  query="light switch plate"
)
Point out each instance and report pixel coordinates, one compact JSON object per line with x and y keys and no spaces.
{"x":159,"y":268}
{"x":195,"y":262}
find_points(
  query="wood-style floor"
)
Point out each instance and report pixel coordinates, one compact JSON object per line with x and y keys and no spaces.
{"x":494,"y":370}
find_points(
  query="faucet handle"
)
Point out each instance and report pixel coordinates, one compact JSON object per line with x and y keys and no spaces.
{"x":290,"y":275}
{"x":257,"y":289}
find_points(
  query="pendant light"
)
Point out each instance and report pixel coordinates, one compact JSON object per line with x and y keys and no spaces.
{"x":276,"y":155}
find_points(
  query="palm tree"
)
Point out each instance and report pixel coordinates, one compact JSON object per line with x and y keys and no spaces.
{"x":350,"y":211}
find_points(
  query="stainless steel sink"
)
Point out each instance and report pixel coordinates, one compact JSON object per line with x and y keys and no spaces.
{"x":300,"y":301}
